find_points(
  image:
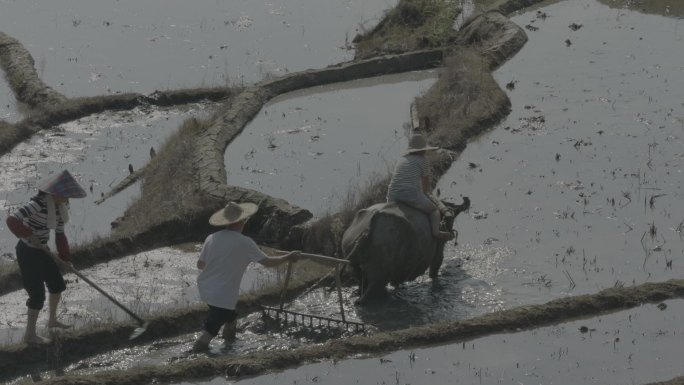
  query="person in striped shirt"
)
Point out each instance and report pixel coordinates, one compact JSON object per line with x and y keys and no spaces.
{"x":410,"y":184}
{"x":32,"y":223}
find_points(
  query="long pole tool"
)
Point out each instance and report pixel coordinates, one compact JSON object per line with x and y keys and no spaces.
{"x":143,"y":325}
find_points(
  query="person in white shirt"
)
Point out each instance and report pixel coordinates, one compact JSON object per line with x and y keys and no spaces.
{"x":222,"y":261}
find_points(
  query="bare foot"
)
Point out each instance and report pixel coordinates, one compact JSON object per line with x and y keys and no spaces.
{"x":57,"y":325}
{"x":36,"y":340}
{"x":444,"y":235}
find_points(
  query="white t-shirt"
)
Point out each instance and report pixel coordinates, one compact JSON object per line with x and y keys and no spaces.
{"x":226,"y":254}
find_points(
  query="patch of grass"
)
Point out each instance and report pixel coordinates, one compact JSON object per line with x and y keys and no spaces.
{"x":411,"y":25}
{"x":465,"y":101}
{"x":373,"y":191}
{"x":169,"y":187}
{"x":325,"y":235}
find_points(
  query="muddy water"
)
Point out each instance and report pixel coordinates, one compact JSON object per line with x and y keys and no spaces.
{"x":97,"y":47}
{"x":595,"y":121}
{"x":311,"y":147}
{"x":583,"y":181}
{"x":636,"y":346}
{"x":147,"y":283}
{"x":97,"y":150}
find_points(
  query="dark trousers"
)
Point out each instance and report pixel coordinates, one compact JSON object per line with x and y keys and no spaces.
{"x":217,"y":317}
{"x":37,"y":271}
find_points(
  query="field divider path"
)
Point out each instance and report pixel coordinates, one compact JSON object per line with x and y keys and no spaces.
{"x":506,"y":321}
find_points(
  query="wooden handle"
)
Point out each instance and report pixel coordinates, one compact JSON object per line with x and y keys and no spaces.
{"x":321,"y":258}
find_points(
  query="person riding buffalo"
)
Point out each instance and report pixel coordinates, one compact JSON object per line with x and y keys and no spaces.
{"x":32,"y":223}
{"x":410,"y":183}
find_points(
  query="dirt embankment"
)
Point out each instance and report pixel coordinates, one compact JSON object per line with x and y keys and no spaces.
{"x":20,"y":71}
{"x":411,"y":25}
{"x":667,"y":8}
{"x":674,"y":381}
{"x":50,"y":108}
{"x":506,"y":7}
{"x":507,"y":321}
{"x":45,"y":116}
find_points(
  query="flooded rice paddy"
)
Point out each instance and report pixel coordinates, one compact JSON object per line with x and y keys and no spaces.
{"x":310,"y":146}
{"x":98,"y":150}
{"x":578,"y":189}
{"x":147,"y":283}
{"x":85,"y":48}
{"x":629,"y":347}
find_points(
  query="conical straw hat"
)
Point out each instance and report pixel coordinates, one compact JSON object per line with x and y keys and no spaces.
{"x":233,"y":213}
{"x":63,"y":185}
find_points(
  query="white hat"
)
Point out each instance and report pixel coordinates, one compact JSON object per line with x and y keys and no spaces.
{"x":233,"y":213}
{"x":418,"y":143}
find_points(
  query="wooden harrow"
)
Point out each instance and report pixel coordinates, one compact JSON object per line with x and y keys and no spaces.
{"x":313,"y":320}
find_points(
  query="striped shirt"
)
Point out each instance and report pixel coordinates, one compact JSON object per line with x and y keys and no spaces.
{"x":34,"y":215}
{"x":406,"y":182}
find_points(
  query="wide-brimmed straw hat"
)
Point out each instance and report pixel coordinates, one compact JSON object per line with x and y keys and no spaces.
{"x":418,"y":143}
{"x":63,"y":185}
{"x":233,"y":213}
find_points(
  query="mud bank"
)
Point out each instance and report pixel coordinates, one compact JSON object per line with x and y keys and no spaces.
{"x":20,"y":71}
{"x":48,"y":116}
{"x":666,"y":8}
{"x":520,"y":318}
{"x":674,"y":381}
{"x":411,"y":25}
{"x":506,"y":7}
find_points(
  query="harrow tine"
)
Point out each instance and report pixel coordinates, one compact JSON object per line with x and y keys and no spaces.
{"x":293,"y":317}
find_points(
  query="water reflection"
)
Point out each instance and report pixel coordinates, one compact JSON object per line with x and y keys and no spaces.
{"x":313,"y":146}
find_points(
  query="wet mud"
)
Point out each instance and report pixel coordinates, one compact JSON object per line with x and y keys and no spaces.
{"x":164,"y":322}
{"x":515,"y":319}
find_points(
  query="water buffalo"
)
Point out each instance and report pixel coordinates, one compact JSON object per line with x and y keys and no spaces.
{"x":393,"y":243}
